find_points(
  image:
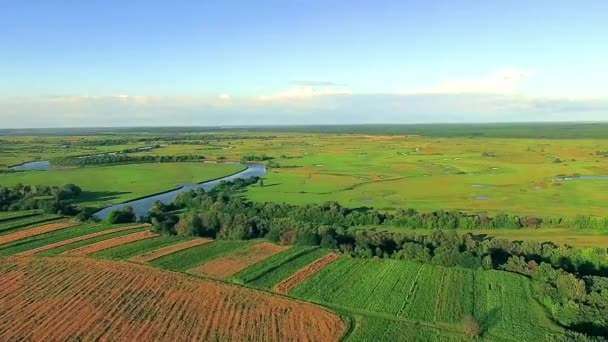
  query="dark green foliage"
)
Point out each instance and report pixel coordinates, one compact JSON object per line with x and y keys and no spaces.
{"x":124,"y":215}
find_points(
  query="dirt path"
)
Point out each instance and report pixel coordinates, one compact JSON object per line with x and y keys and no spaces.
{"x":290,"y":283}
{"x":22,"y":234}
{"x":113,"y":242}
{"x":78,"y":238}
{"x":231,"y":264}
{"x":157,"y":253}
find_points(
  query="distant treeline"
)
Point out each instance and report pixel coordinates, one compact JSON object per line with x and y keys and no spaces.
{"x":120,"y":158}
{"x":550,"y":130}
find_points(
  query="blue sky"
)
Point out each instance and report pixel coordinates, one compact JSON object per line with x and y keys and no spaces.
{"x":68,"y":63}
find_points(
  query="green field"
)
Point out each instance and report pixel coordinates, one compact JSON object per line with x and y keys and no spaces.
{"x":12,"y":215}
{"x":58,"y":250}
{"x":136,"y":248}
{"x":187,"y":259}
{"x":434,"y":295}
{"x":115,"y":184}
{"x":270,"y":272}
{"x":21,"y":223}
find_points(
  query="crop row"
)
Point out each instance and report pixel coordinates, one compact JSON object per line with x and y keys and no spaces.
{"x":502,"y":302}
{"x":189,"y":258}
{"x":260,"y":269}
{"x":136,"y":248}
{"x":26,"y":222}
{"x":78,"y":244}
{"x":49,"y":238}
{"x":270,"y":275}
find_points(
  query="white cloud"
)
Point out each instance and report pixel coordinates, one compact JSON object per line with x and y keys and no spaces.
{"x":224,"y":97}
{"x":303,"y":92}
{"x":501,"y":81}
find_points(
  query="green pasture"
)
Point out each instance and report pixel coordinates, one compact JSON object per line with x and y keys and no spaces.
{"x":120,"y":183}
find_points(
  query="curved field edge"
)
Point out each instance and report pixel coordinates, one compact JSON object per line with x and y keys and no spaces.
{"x":140,"y":307}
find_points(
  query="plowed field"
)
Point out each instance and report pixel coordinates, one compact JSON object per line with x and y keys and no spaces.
{"x":168,"y":250}
{"x":22,"y":234}
{"x":61,"y":299}
{"x":307,"y":272}
{"x":117,"y":241}
{"x":238,"y":261}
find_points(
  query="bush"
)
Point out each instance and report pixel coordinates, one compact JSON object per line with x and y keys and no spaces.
{"x":471,"y":327}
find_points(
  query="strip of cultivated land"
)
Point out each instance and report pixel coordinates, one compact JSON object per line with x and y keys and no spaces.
{"x":138,"y":303}
{"x":22,"y":223}
{"x":116,"y":241}
{"x":22,"y":234}
{"x":305,"y":273}
{"x":157,"y":253}
{"x":12,"y":215}
{"x":79,"y":239}
{"x":190,"y":258}
{"x":270,"y":272}
{"x":233,"y":263}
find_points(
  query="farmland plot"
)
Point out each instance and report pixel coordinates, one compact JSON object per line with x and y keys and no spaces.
{"x":117,"y":241}
{"x":501,"y":301}
{"x":140,"y":251}
{"x":81,"y":242}
{"x":47,"y":228}
{"x":230,"y":264}
{"x":271,"y":271}
{"x":13,"y":215}
{"x":192,"y":257}
{"x":138,"y":303}
{"x":288,"y":284}
{"x":23,"y":223}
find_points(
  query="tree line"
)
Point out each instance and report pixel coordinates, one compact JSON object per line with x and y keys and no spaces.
{"x":52,"y":199}
{"x":121,"y":158}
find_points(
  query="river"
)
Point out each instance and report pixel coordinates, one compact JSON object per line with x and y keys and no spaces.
{"x":142,"y":206}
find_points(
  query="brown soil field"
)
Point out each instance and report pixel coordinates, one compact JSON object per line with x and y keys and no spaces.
{"x":155,"y":254}
{"x":113,"y":242}
{"x":22,"y":234}
{"x":231,"y":264}
{"x":76,"y":239}
{"x":81,"y":299}
{"x":290,"y":283}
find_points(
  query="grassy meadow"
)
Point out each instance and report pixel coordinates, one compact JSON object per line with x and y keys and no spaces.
{"x":119,"y":183}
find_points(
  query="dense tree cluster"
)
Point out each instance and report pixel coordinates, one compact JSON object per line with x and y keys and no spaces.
{"x":121,"y":158}
{"x":123,"y":215}
{"x":252,"y":158}
{"x":56,"y":200}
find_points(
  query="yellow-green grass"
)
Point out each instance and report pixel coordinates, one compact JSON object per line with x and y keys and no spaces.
{"x":115,"y":184}
{"x":441,"y":173}
{"x":581,"y":238}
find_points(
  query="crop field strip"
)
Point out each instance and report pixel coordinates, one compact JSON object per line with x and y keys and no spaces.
{"x":135,"y":302}
{"x":112,"y":242}
{"x":302,"y":275}
{"x":190,"y":258}
{"x":278,"y":267}
{"x":233,"y":263}
{"x":23,"y":223}
{"x":88,"y":242}
{"x":13,"y":215}
{"x":37,"y":230}
{"x":437,"y":295}
{"x":135,"y":249}
{"x":78,"y":239}
{"x":162,"y":251}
